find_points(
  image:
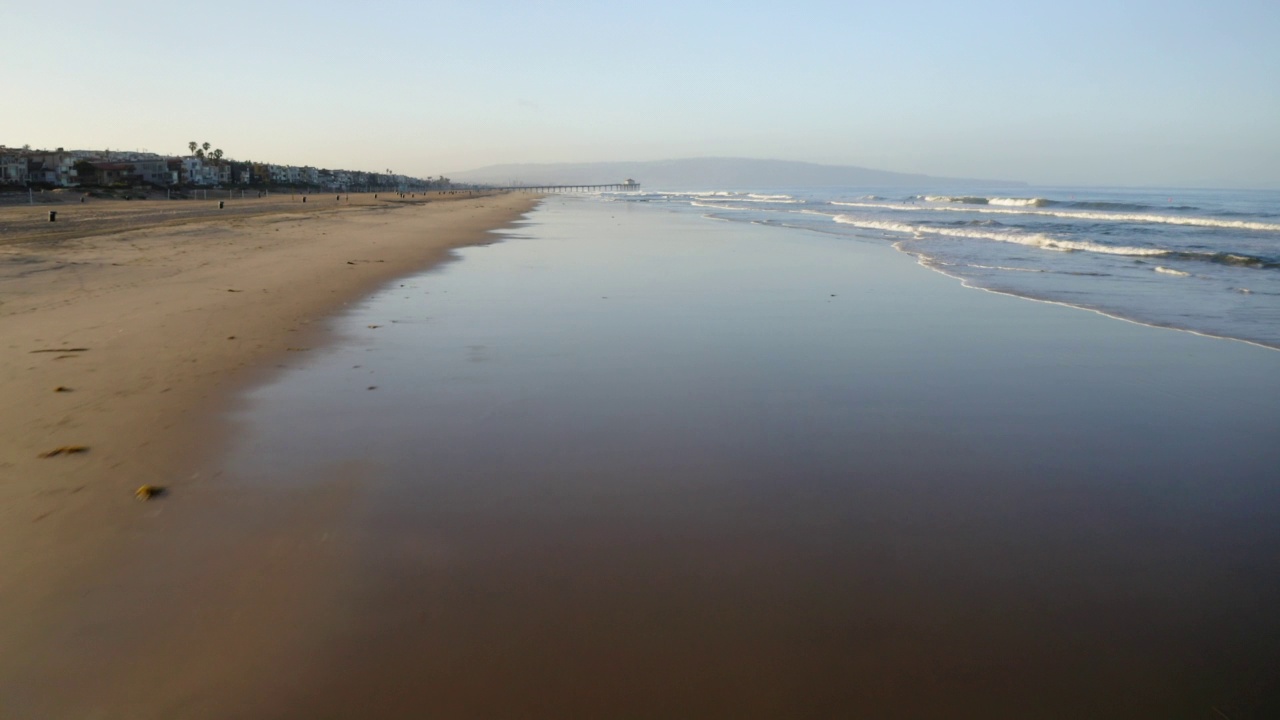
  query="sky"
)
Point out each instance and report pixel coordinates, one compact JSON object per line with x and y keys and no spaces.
{"x":1166,"y":93}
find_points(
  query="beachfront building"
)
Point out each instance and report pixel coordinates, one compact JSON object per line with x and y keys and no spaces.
{"x":241,"y":173}
{"x":52,"y":168}
{"x":192,"y":170}
{"x":196,"y":172}
{"x":108,"y":173}
{"x":13,"y":168}
{"x":150,"y":171}
{"x":154,"y":171}
{"x":61,"y":168}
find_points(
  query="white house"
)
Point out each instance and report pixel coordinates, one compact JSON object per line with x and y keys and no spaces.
{"x":197,"y":173}
{"x":192,"y":169}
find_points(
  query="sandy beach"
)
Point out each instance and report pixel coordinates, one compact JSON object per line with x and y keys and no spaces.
{"x":126,"y":326}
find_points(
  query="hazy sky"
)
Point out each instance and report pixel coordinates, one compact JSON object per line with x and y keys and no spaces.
{"x":1150,"y":93}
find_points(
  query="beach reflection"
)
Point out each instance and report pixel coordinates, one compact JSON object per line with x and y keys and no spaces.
{"x":638,"y":463}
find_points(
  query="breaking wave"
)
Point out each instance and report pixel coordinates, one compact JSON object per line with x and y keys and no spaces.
{"x":1039,"y":240}
{"x":1193,"y":221}
{"x":1048,"y":242}
{"x":1038,"y":202}
{"x":735,"y":197}
{"x":697,"y":203}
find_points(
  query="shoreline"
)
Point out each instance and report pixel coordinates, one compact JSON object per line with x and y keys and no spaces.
{"x":134,"y":344}
{"x":968,"y":284}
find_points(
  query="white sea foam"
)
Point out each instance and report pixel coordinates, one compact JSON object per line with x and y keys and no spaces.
{"x":1018,"y":202}
{"x":1005,"y":268}
{"x":1081,"y":215}
{"x":1171,"y":271}
{"x":697,"y":203}
{"x":953,"y":199}
{"x":980,"y":200}
{"x":1039,"y":240}
{"x":734,"y":197}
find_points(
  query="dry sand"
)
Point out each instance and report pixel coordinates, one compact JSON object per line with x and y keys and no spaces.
{"x":124,"y":328}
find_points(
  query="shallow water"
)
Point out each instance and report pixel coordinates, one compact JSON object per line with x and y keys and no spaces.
{"x":630,"y":462}
{"x":1207,"y":261}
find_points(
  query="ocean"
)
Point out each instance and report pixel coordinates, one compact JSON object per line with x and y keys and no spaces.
{"x":1204,"y":261}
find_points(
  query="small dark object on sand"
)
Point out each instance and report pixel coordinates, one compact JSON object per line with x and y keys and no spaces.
{"x":62,"y":350}
{"x":62,"y":388}
{"x":64,"y":450}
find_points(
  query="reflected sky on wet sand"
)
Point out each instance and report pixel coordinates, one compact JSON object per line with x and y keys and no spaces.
{"x":635,"y":463}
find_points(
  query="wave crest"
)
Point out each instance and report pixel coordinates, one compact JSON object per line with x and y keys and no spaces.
{"x":1039,"y":240}
{"x":1148,"y":218}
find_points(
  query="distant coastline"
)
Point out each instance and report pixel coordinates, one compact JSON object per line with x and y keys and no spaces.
{"x":722,"y":173}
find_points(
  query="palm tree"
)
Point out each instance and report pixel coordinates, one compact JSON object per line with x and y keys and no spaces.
{"x":217,"y":154}
{"x":193,"y":146}
{"x":206,"y":147}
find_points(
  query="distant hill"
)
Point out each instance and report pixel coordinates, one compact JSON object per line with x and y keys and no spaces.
{"x":710,"y":173}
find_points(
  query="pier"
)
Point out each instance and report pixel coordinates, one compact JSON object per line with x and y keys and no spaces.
{"x":628,"y":185}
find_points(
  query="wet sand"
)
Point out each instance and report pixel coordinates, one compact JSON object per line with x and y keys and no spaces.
{"x":635,"y":464}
